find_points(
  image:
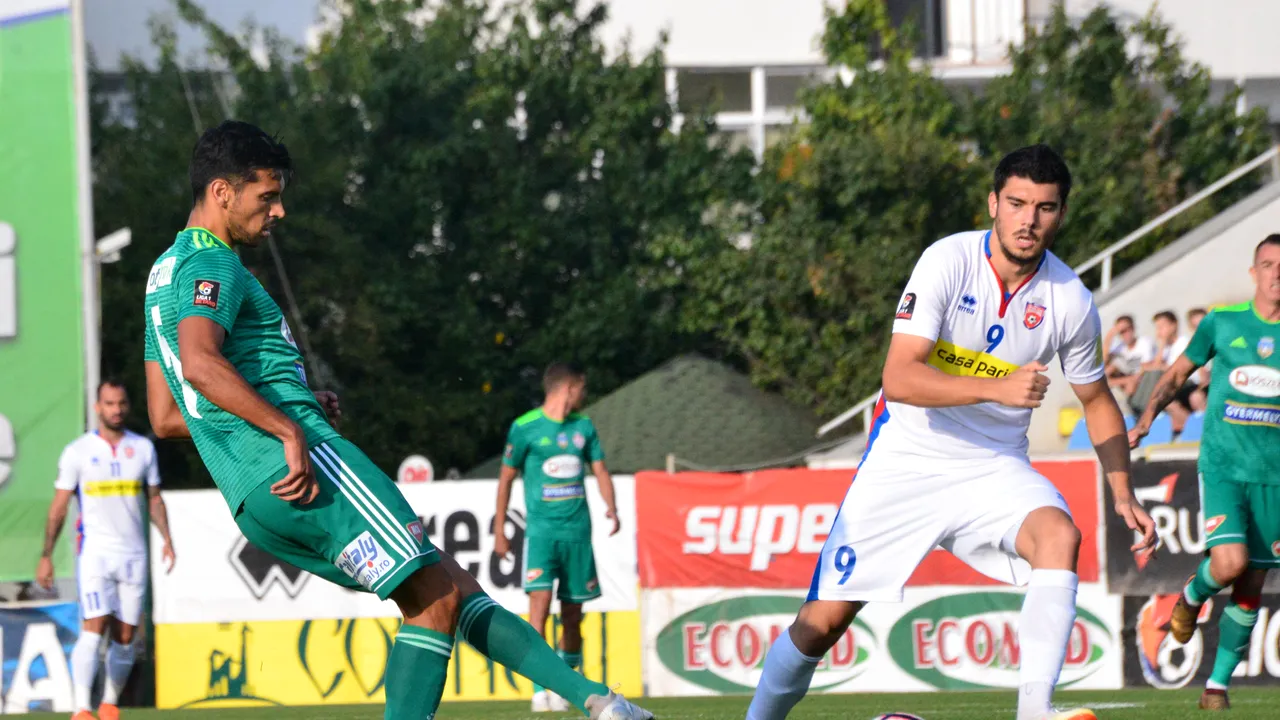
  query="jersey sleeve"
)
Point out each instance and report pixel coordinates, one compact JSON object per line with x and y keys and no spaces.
{"x":153,"y":467}
{"x":150,"y":353}
{"x":1200,"y":350}
{"x":68,"y":470}
{"x":595,"y":451}
{"x":210,"y":284}
{"x":925,"y":300}
{"x":1081,"y":355}
{"x":516,"y":450}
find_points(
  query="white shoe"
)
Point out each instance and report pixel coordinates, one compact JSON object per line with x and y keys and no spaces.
{"x":615,"y":707}
{"x":557,"y":703}
{"x":541,"y":703}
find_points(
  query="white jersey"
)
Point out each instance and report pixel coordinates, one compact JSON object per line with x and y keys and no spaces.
{"x":108,"y":482}
{"x":979,"y":328}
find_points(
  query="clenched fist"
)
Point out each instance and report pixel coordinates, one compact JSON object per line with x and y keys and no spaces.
{"x":1024,"y":387}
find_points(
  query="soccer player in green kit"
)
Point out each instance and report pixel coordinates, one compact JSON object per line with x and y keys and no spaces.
{"x":222,"y":369}
{"x":552,"y":447}
{"x":1239,"y":463}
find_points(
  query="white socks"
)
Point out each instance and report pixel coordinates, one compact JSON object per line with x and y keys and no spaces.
{"x":84,"y":666}
{"x":1044,"y":629}
{"x":784,"y":681}
{"x":119,"y":663}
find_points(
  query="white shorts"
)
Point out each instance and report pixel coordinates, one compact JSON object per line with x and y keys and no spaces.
{"x":896,"y":512}
{"x":112,"y":584}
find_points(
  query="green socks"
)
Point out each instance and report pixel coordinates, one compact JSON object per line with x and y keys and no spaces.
{"x":1202,"y":586}
{"x":1234,"y":629}
{"x":416,"y":673}
{"x":573,"y":660}
{"x":506,"y":639}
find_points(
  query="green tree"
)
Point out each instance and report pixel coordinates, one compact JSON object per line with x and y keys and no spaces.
{"x":476,"y":196}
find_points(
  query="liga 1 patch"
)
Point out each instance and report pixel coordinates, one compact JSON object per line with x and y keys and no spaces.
{"x":365,"y":561}
{"x":907,"y":307}
{"x":206,"y":294}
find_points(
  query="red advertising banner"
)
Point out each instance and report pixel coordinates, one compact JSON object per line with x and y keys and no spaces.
{"x":765,"y":529}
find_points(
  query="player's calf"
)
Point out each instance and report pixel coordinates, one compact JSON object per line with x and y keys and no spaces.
{"x":789,"y":665}
{"x":419,"y":663}
{"x":820,"y":623}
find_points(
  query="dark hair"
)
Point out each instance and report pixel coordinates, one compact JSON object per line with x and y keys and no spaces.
{"x":559,"y":373}
{"x":1272,"y":239}
{"x":1037,"y":163}
{"x":111,"y":382}
{"x":1166,"y":315}
{"x":1196,"y":311}
{"x":1126,"y":318}
{"x":234,"y":151}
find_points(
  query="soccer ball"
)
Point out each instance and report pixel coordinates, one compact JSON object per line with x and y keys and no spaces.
{"x":897,"y":716}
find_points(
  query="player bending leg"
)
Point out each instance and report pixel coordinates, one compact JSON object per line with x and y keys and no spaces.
{"x":107,"y":471}
{"x":946,"y":460}
{"x":1239,"y":463}
{"x":223,"y":369}
{"x":552,"y":447}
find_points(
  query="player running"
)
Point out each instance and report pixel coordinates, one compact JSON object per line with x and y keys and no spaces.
{"x":106,"y":471}
{"x":223,"y":369}
{"x":946,"y":460}
{"x":551,"y":447}
{"x":1239,"y":463}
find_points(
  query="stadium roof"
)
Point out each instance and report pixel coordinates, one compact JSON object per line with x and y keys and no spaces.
{"x":704,"y":412}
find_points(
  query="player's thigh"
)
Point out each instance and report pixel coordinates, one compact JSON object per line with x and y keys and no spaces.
{"x":991,"y":502}
{"x":1225,"y":507}
{"x":1263,"y":531}
{"x":578,"y":580}
{"x":131,"y":573}
{"x":95,"y":585}
{"x":888,"y":522}
{"x":541,"y":563}
{"x":359,"y":532}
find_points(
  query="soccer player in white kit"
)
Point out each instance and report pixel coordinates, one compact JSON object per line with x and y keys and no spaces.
{"x":107,"y":470}
{"x":946,"y":460}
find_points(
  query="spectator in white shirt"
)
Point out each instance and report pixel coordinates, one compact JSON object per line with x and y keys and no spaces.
{"x":1198,"y":392}
{"x":1127,"y":352}
{"x":1169,"y":346}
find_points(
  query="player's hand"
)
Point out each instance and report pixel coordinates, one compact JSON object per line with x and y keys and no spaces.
{"x":1024,"y":387}
{"x":169,"y":557}
{"x":329,"y":401}
{"x":1139,"y":431}
{"x":44,"y":573}
{"x":612,"y":514}
{"x":501,"y":545}
{"x":1138,"y":521}
{"x":300,"y":482}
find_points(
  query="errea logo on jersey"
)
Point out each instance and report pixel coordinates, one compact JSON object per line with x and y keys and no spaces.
{"x":1256,"y":380}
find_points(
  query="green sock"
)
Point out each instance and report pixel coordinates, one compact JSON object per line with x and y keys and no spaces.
{"x":1234,"y":629}
{"x":416,"y":672}
{"x":504,"y":638}
{"x":1202,"y":586}
{"x":573,"y":660}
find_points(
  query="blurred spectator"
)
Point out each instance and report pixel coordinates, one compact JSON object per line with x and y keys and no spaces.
{"x":1195,"y":394}
{"x":1127,"y":352}
{"x":1169,"y":345}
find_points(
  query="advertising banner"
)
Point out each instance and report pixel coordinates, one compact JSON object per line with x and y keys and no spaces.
{"x":711,"y":641}
{"x":344,"y":661}
{"x":1170,"y":492}
{"x":765,"y":529}
{"x":42,"y":361}
{"x":1154,"y":659}
{"x":221,"y":577}
{"x":36,"y":643}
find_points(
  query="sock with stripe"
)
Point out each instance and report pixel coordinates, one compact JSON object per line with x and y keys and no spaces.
{"x":1234,"y":630}
{"x":1202,"y":586}
{"x":416,"y":673}
{"x":119,"y":663}
{"x":84,"y":666}
{"x":504,"y":638}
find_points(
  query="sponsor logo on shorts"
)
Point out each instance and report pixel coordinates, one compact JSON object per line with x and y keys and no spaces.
{"x":1256,"y":380}
{"x":592,"y":584}
{"x":1239,"y":414}
{"x":415,"y":529}
{"x":1033,"y":316}
{"x":562,"y":467}
{"x":720,"y":646}
{"x":907,"y":307}
{"x":365,"y":561}
{"x":533,"y":574}
{"x":207,"y":293}
{"x":1266,"y":346}
{"x":970,"y":640}
{"x":1275,"y":548}
{"x":1213,"y":523}
{"x":567,"y":491}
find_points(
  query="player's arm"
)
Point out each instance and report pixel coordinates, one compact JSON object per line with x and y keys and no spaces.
{"x":163,"y":412}
{"x":159,"y":514}
{"x":605,"y":481}
{"x":52,"y":528}
{"x":1164,"y":392}
{"x":512,"y":459}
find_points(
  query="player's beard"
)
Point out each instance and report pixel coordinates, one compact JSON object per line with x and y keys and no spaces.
{"x":241,"y":235}
{"x":1023,"y":258}
{"x":115,"y":426}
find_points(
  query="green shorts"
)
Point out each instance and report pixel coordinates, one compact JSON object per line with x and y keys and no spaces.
{"x":359,"y":532}
{"x":1248,"y":513}
{"x":569,"y":564}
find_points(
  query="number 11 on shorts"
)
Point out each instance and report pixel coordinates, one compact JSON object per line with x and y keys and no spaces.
{"x":845,"y":559}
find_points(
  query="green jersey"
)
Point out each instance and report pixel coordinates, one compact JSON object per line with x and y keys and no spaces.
{"x":553,"y":458}
{"x":1242,"y":430}
{"x":200,"y":276}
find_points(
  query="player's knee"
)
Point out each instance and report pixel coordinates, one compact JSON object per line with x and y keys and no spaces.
{"x":430,"y":598}
{"x":570,"y":614}
{"x":820,"y":624}
{"x":122,"y":633}
{"x":1228,"y":565}
{"x":1049,"y":539}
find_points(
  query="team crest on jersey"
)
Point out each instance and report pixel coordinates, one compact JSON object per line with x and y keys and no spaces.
{"x":907,"y":307}
{"x":579,"y":441}
{"x":1033,"y":316}
{"x":563,"y":441}
{"x":128,"y":453}
{"x":1266,"y":346}
{"x":207,"y":293}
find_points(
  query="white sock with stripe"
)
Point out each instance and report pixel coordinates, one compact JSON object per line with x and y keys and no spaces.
{"x":84,"y":666}
{"x":784,"y":681}
{"x":1044,"y":629}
